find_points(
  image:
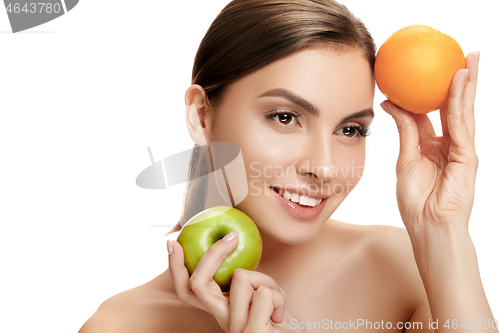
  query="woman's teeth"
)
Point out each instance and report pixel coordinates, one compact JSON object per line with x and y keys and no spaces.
{"x":302,"y":199}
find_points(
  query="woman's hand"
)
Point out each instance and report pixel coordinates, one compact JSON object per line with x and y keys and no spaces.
{"x":436,"y":175}
{"x":435,"y":192}
{"x":255,"y":302}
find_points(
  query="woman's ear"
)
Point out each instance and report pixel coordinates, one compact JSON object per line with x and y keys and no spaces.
{"x":196,"y":114}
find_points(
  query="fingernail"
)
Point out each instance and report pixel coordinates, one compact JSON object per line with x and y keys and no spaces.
{"x":170,"y":247}
{"x":230,"y":236}
{"x":466,"y":78}
{"x":283,"y":293}
{"x":384,"y":107}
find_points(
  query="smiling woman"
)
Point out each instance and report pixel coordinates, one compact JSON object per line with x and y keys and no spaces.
{"x":282,"y":116}
{"x":291,"y":83}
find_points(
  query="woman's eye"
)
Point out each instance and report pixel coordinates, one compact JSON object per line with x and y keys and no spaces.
{"x":284,"y":118}
{"x":349,"y":131}
{"x":353,"y":131}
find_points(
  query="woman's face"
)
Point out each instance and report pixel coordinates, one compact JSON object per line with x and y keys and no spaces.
{"x":299,"y":123}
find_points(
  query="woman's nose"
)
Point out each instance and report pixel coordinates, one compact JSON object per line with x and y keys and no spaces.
{"x":318,"y":160}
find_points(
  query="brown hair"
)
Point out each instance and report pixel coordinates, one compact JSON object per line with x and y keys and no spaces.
{"x":250,"y":34}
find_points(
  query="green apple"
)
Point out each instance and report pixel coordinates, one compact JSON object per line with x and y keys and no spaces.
{"x":210,"y":225}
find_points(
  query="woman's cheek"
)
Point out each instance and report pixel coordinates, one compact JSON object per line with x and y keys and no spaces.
{"x":351,"y":173}
{"x":266,"y":174}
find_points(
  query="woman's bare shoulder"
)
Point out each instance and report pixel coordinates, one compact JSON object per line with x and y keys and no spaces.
{"x":132,"y":310}
{"x":149,"y":308}
{"x":388,"y":239}
{"x":381,"y":248}
{"x":386,"y":251}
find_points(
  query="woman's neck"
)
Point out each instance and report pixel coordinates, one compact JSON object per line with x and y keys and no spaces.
{"x":278,"y":256}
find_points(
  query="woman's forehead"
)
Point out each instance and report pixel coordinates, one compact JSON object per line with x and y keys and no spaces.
{"x":319,"y":75}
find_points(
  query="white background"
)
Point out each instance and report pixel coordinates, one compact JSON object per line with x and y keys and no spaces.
{"x":83,"y":96}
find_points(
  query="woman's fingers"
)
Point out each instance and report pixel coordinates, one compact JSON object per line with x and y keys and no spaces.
{"x":469,"y":97}
{"x":286,"y":325}
{"x":264,"y":304}
{"x":456,"y":122}
{"x":180,"y":275}
{"x":254,"y":297}
{"x":425,"y":128}
{"x":239,"y":299}
{"x":443,"y":115}
{"x":408,"y":134}
{"x":202,"y":283}
{"x":243,"y":288}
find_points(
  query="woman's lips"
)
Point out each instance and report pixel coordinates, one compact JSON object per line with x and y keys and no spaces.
{"x":297,"y":210}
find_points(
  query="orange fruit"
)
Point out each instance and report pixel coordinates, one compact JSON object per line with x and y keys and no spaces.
{"x":414,"y":68}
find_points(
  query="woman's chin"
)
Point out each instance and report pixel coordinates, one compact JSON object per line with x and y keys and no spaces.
{"x":276,"y":224}
{"x":289,"y":234}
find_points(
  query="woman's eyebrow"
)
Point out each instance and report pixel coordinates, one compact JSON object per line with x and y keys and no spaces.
{"x":360,"y":114}
{"x":287,"y":94}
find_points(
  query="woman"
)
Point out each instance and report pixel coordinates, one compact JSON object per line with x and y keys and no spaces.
{"x":291,"y":83}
